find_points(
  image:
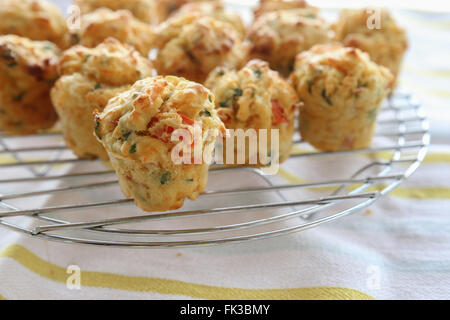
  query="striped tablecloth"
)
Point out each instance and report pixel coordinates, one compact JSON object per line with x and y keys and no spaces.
{"x":399,"y":248}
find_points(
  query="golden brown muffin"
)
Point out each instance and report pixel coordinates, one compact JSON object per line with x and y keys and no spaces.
{"x":255,"y":97}
{"x":104,"y":23}
{"x":277,"y":5}
{"x":28,"y":70}
{"x":192,"y":47}
{"x":89,"y":78}
{"x":216,"y":10}
{"x":277,"y":37}
{"x":33,"y":19}
{"x":144,"y":10}
{"x":342,"y":90}
{"x":166,"y":8}
{"x":386,"y":46}
{"x":136,"y":129}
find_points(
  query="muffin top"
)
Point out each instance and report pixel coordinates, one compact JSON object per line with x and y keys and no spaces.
{"x":329,"y":78}
{"x":111,"y":62}
{"x":26,"y":60}
{"x":138,"y":123}
{"x":381,"y":44}
{"x":33,"y":19}
{"x":103,"y":23}
{"x":216,"y":10}
{"x":279,"y":36}
{"x":277,"y":5}
{"x":143,"y":10}
{"x":191,"y":47}
{"x":253,"y":97}
{"x":166,"y":8}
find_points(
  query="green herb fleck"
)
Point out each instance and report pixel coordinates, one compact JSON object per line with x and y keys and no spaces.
{"x":48,"y":47}
{"x":324,"y":96}
{"x":75,"y":38}
{"x":126,"y":136}
{"x":189,"y":180}
{"x":221,"y":72}
{"x":225,"y":104}
{"x":237,"y":92}
{"x":310,"y":84}
{"x":98,"y":86}
{"x":19,"y":97}
{"x":210,"y":98}
{"x":97,"y":126}
{"x":165,"y":177}
{"x":372,"y":115}
{"x":12,"y":65}
{"x":206,"y":113}
{"x":133,"y":149}
{"x":258,"y":74}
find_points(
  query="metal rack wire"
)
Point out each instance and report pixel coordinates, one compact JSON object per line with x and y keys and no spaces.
{"x":36,"y":194}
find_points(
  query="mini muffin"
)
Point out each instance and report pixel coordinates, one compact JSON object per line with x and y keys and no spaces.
{"x":144,"y":10}
{"x":342,"y":90}
{"x":192,"y":47}
{"x":103,"y":23}
{"x":214,"y":9}
{"x":166,"y":8}
{"x":28,"y":70}
{"x":255,"y":97}
{"x":136,"y":129}
{"x":277,"y":37}
{"x":33,"y":19}
{"x":89,"y":78}
{"x":386,"y":46}
{"x":277,"y":5}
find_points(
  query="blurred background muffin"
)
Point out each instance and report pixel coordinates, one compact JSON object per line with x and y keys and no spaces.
{"x":144,"y":10}
{"x":33,"y":19}
{"x":89,"y":78}
{"x":386,"y":44}
{"x":255,"y":97}
{"x":214,"y":9}
{"x":165,"y":8}
{"x":277,"y":37}
{"x":28,"y":70}
{"x":103,"y":23}
{"x":342,"y":90}
{"x":265,"y":6}
{"x":136,"y":129}
{"x":191,"y":47}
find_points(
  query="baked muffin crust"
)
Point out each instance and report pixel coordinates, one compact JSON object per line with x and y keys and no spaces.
{"x":136,"y":129}
{"x":342,"y":90}
{"x":255,"y":97}
{"x":103,"y":23}
{"x":28,"y":70}
{"x":89,"y":78}
{"x":144,"y":10}
{"x":386,"y":46}
{"x":277,"y":37}
{"x":34,"y":19}
{"x":192,"y":47}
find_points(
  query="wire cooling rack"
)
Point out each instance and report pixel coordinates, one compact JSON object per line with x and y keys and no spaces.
{"x":47,"y":193}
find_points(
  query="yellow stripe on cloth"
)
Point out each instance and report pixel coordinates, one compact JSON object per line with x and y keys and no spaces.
{"x":401,"y":192}
{"x":7,"y":159}
{"x":2,"y":297}
{"x":289,"y":176}
{"x":172,"y":287}
{"x":432,"y":157}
